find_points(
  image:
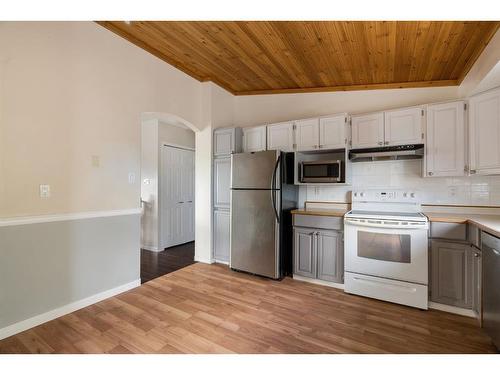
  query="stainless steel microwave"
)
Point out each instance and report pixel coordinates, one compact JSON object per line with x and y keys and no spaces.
{"x":329,"y":171}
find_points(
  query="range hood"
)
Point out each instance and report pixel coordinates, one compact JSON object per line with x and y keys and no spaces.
{"x":404,"y":152}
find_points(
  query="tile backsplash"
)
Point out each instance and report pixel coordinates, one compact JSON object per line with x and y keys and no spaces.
{"x":407,"y":174}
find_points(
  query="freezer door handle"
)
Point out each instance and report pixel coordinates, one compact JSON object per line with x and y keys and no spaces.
{"x":274,"y":192}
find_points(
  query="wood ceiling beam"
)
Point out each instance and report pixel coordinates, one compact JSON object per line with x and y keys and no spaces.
{"x":374,"y":86}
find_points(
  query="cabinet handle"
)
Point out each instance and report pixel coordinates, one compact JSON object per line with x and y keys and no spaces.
{"x":386,"y":142}
{"x":315,"y":146}
{"x":476,"y":255}
{"x":320,"y":146}
{"x":430,"y":173}
{"x":472,"y":171}
{"x":181,"y":202}
{"x":380,"y":143}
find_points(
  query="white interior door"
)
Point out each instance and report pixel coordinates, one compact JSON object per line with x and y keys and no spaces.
{"x":177,"y":196}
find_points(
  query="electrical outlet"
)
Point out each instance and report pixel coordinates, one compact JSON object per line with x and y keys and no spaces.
{"x":44,"y":191}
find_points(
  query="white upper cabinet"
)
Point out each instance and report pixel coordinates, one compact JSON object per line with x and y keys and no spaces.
{"x":403,"y":126}
{"x":280,"y":136}
{"x":368,"y":130}
{"x":227,"y":141}
{"x":332,"y":132}
{"x":254,"y":139}
{"x":445,"y":145}
{"x":307,"y":134}
{"x":484,"y":133}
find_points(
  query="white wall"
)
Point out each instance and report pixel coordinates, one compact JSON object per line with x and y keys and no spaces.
{"x":70,"y":90}
{"x":260,"y":109}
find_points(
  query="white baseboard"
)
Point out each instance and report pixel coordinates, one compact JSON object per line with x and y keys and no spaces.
{"x":203,"y":260}
{"x":63,"y":310}
{"x":318,"y":282}
{"x":226,"y":262}
{"x":151,"y":248}
{"x":452,"y":309}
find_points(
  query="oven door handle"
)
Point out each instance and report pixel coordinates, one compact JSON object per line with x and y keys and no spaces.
{"x":381,"y":224}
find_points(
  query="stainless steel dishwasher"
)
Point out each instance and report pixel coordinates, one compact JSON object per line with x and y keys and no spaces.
{"x":491,"y":286}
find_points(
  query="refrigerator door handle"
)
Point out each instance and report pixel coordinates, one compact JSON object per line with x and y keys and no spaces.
{"x":273,"y":192}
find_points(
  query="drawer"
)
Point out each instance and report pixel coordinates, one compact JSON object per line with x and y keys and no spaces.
{"x":449,"y":231}
{"x":324,"y":222}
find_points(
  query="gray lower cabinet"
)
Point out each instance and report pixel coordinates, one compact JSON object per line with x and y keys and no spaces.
{"x":221,"y":235}
{"x":330,"y":257}
{"x":305,"y":252}
{"x":319,"y":254}
{"x":451,"y":273}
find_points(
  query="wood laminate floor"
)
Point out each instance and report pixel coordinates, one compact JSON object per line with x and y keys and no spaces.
{"x":155,"y":264}
{"x":211,"y":309}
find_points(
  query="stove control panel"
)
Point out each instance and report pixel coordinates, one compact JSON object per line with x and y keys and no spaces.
{"x":389,"y":195}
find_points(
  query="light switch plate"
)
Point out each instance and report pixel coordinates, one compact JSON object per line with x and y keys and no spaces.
{"x":131,"y":178}
{"x":44,"y":191}
{"x":96,"y":162}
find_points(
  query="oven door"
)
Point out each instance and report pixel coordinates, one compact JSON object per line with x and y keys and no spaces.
{"x":387,"y":249}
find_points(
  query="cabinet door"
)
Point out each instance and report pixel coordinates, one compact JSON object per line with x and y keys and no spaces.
{"x":330,"y":256}
{"x":332,"y":133}
{"x":254,"y":139}
{"x":476,"y":282}
{"x":368,"y":130}
{"x":445,"y":146}
{"x":484,"y":133}
{"x":403,"y":126}
{"x":307,"y":134}
{"x":451,"y":266}
{"x":224,"y":141}
{"x":305,"y":252}
{"x":221,"y":235}
{"x":280,"y":136}
{"x":222,"y":182}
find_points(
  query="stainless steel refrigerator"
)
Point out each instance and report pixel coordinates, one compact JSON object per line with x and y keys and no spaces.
{"x":262,"y":197}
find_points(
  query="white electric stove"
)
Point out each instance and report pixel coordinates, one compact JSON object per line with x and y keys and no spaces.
{"x":386,"y":247}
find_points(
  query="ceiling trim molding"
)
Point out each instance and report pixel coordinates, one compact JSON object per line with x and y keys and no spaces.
{"x":374,"y":86}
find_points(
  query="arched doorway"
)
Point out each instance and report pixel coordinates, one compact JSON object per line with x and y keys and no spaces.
{"x":167,"y":194}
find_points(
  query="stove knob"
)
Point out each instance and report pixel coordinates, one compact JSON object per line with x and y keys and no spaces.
{"x":355,"y":194}
{"x":361,"y":194}
{"x":412,"y":195}
{"x":405,"y":195}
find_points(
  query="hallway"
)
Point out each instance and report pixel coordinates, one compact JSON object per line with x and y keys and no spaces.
{"x":156,"y":264}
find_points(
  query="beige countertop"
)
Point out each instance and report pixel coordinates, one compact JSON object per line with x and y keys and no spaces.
{"x":488,"y":223}
{"x":320,"y":212}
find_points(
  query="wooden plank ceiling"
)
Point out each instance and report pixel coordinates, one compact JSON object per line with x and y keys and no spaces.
{"x":269,"y":57}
